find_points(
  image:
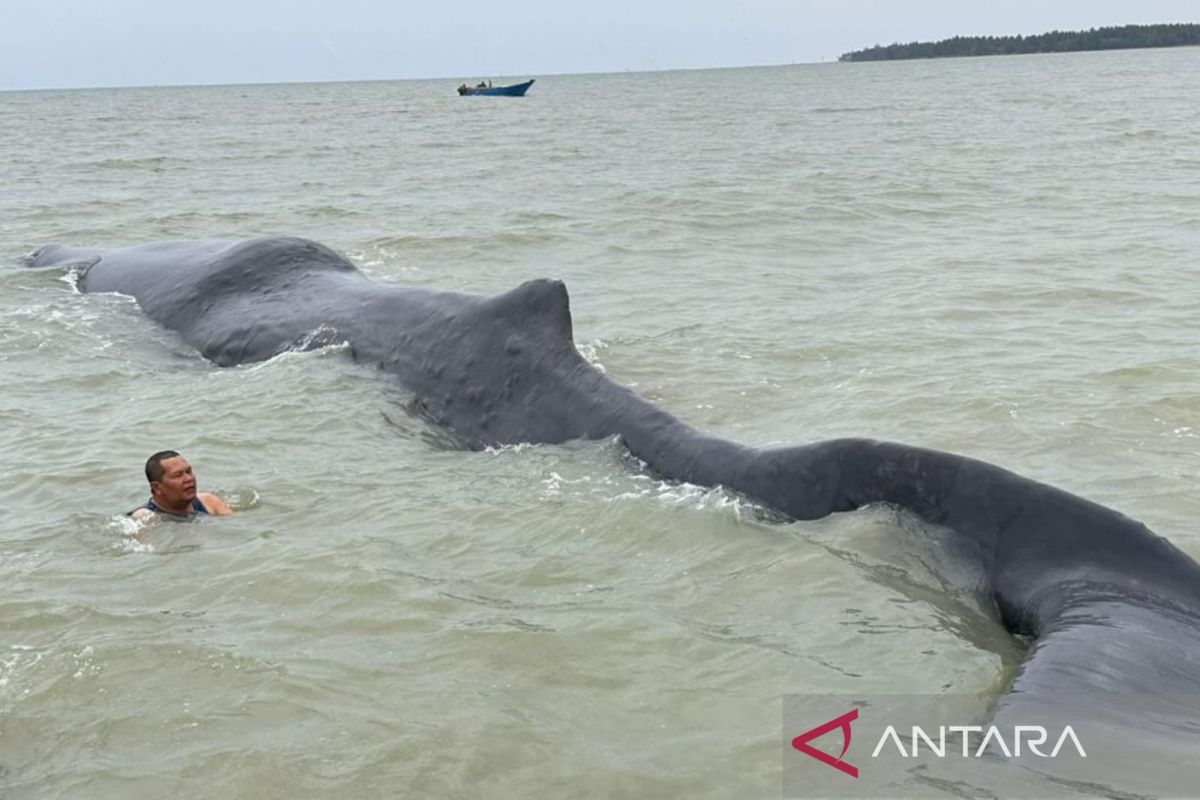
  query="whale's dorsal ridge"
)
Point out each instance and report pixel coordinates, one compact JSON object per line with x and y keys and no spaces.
{"x":274,"y":254}
{"x":541,"y":305}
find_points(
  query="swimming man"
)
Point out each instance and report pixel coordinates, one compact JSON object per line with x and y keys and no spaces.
{"x":173,"y":490}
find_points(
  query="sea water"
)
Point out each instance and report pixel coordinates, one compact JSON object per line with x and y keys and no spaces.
{"x":992,"y":256}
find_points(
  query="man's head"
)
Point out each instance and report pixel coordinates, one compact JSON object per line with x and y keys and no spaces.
{"x":172,"y":483}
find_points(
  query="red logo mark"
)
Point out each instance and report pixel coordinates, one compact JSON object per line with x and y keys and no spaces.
{"x":801,"y":743}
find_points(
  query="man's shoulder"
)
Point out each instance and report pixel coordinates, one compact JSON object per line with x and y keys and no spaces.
{"x":146,"y":509}
{"x":214,"y":504}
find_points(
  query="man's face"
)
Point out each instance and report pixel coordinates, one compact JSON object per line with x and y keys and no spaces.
{"x":178,"y":484}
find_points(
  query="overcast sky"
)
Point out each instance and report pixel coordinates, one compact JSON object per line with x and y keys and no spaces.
{"x":78,"y":43}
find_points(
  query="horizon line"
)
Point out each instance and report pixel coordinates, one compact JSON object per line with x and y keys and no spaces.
{"x":399,"y":80}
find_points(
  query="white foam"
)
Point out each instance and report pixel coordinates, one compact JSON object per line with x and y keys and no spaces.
{"x":690,"y":495}
{"x":84,"y":664}
{"x":130,"y":545}
{"x":302,"y":349}
{"x":71,"y":278}
{"x":131,"y":530}
{"x":242,"y":501}
{"x":589,"y":352}
{"x":502,"y":449}
{"x":640,"y":488}
{"x":556,"y":482}
{"x":307,"y":340}
{"x":23,"y":659}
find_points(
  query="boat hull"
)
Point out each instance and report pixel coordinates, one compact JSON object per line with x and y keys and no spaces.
{"x":516,"y":90}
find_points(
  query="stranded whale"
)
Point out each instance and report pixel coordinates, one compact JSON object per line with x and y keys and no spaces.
{"x":1113,"y":607}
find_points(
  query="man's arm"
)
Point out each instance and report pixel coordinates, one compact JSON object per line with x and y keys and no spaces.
{"x":214,"y":504}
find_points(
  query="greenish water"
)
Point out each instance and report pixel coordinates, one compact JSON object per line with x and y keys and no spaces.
{"x":995,"y":257}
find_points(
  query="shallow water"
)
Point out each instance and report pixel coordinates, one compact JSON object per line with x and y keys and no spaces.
{"x":989,"y":256}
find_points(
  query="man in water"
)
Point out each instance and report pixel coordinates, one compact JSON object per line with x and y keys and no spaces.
{"x":173,"y":490}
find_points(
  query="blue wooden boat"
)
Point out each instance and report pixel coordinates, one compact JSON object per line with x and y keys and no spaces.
{"x":516,"y":90}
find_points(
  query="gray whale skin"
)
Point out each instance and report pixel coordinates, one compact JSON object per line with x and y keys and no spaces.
{"x":1112,"y":607}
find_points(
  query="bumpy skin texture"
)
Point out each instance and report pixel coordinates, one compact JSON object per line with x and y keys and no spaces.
{"x":1114,"y":607}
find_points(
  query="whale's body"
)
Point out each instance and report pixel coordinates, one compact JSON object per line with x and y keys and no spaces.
{"x":1114,"y":608}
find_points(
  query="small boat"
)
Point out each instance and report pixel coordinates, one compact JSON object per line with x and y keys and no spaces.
{"x":516,"y":90}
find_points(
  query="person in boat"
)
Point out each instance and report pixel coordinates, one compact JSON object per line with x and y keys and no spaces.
{"x":173,"y":490}
{"x":482,"y":85}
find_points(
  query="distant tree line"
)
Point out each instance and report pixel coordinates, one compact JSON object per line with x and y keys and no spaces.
{"x":1125,"y":36}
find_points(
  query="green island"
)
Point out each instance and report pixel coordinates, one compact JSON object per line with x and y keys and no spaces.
{"x":1118,"y":38}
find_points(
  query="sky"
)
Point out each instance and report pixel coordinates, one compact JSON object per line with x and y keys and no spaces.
{"x":92,"y":43}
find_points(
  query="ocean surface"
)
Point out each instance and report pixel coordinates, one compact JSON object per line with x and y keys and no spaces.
{"x":995,"y":256}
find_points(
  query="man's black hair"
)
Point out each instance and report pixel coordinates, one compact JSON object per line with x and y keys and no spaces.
{"x":154,"y":467}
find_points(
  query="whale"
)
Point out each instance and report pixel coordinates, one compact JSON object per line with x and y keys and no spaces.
{"x":1109,"y":608}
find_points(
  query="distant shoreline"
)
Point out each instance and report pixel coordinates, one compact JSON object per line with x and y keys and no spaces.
{"x":1116,"y":38}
